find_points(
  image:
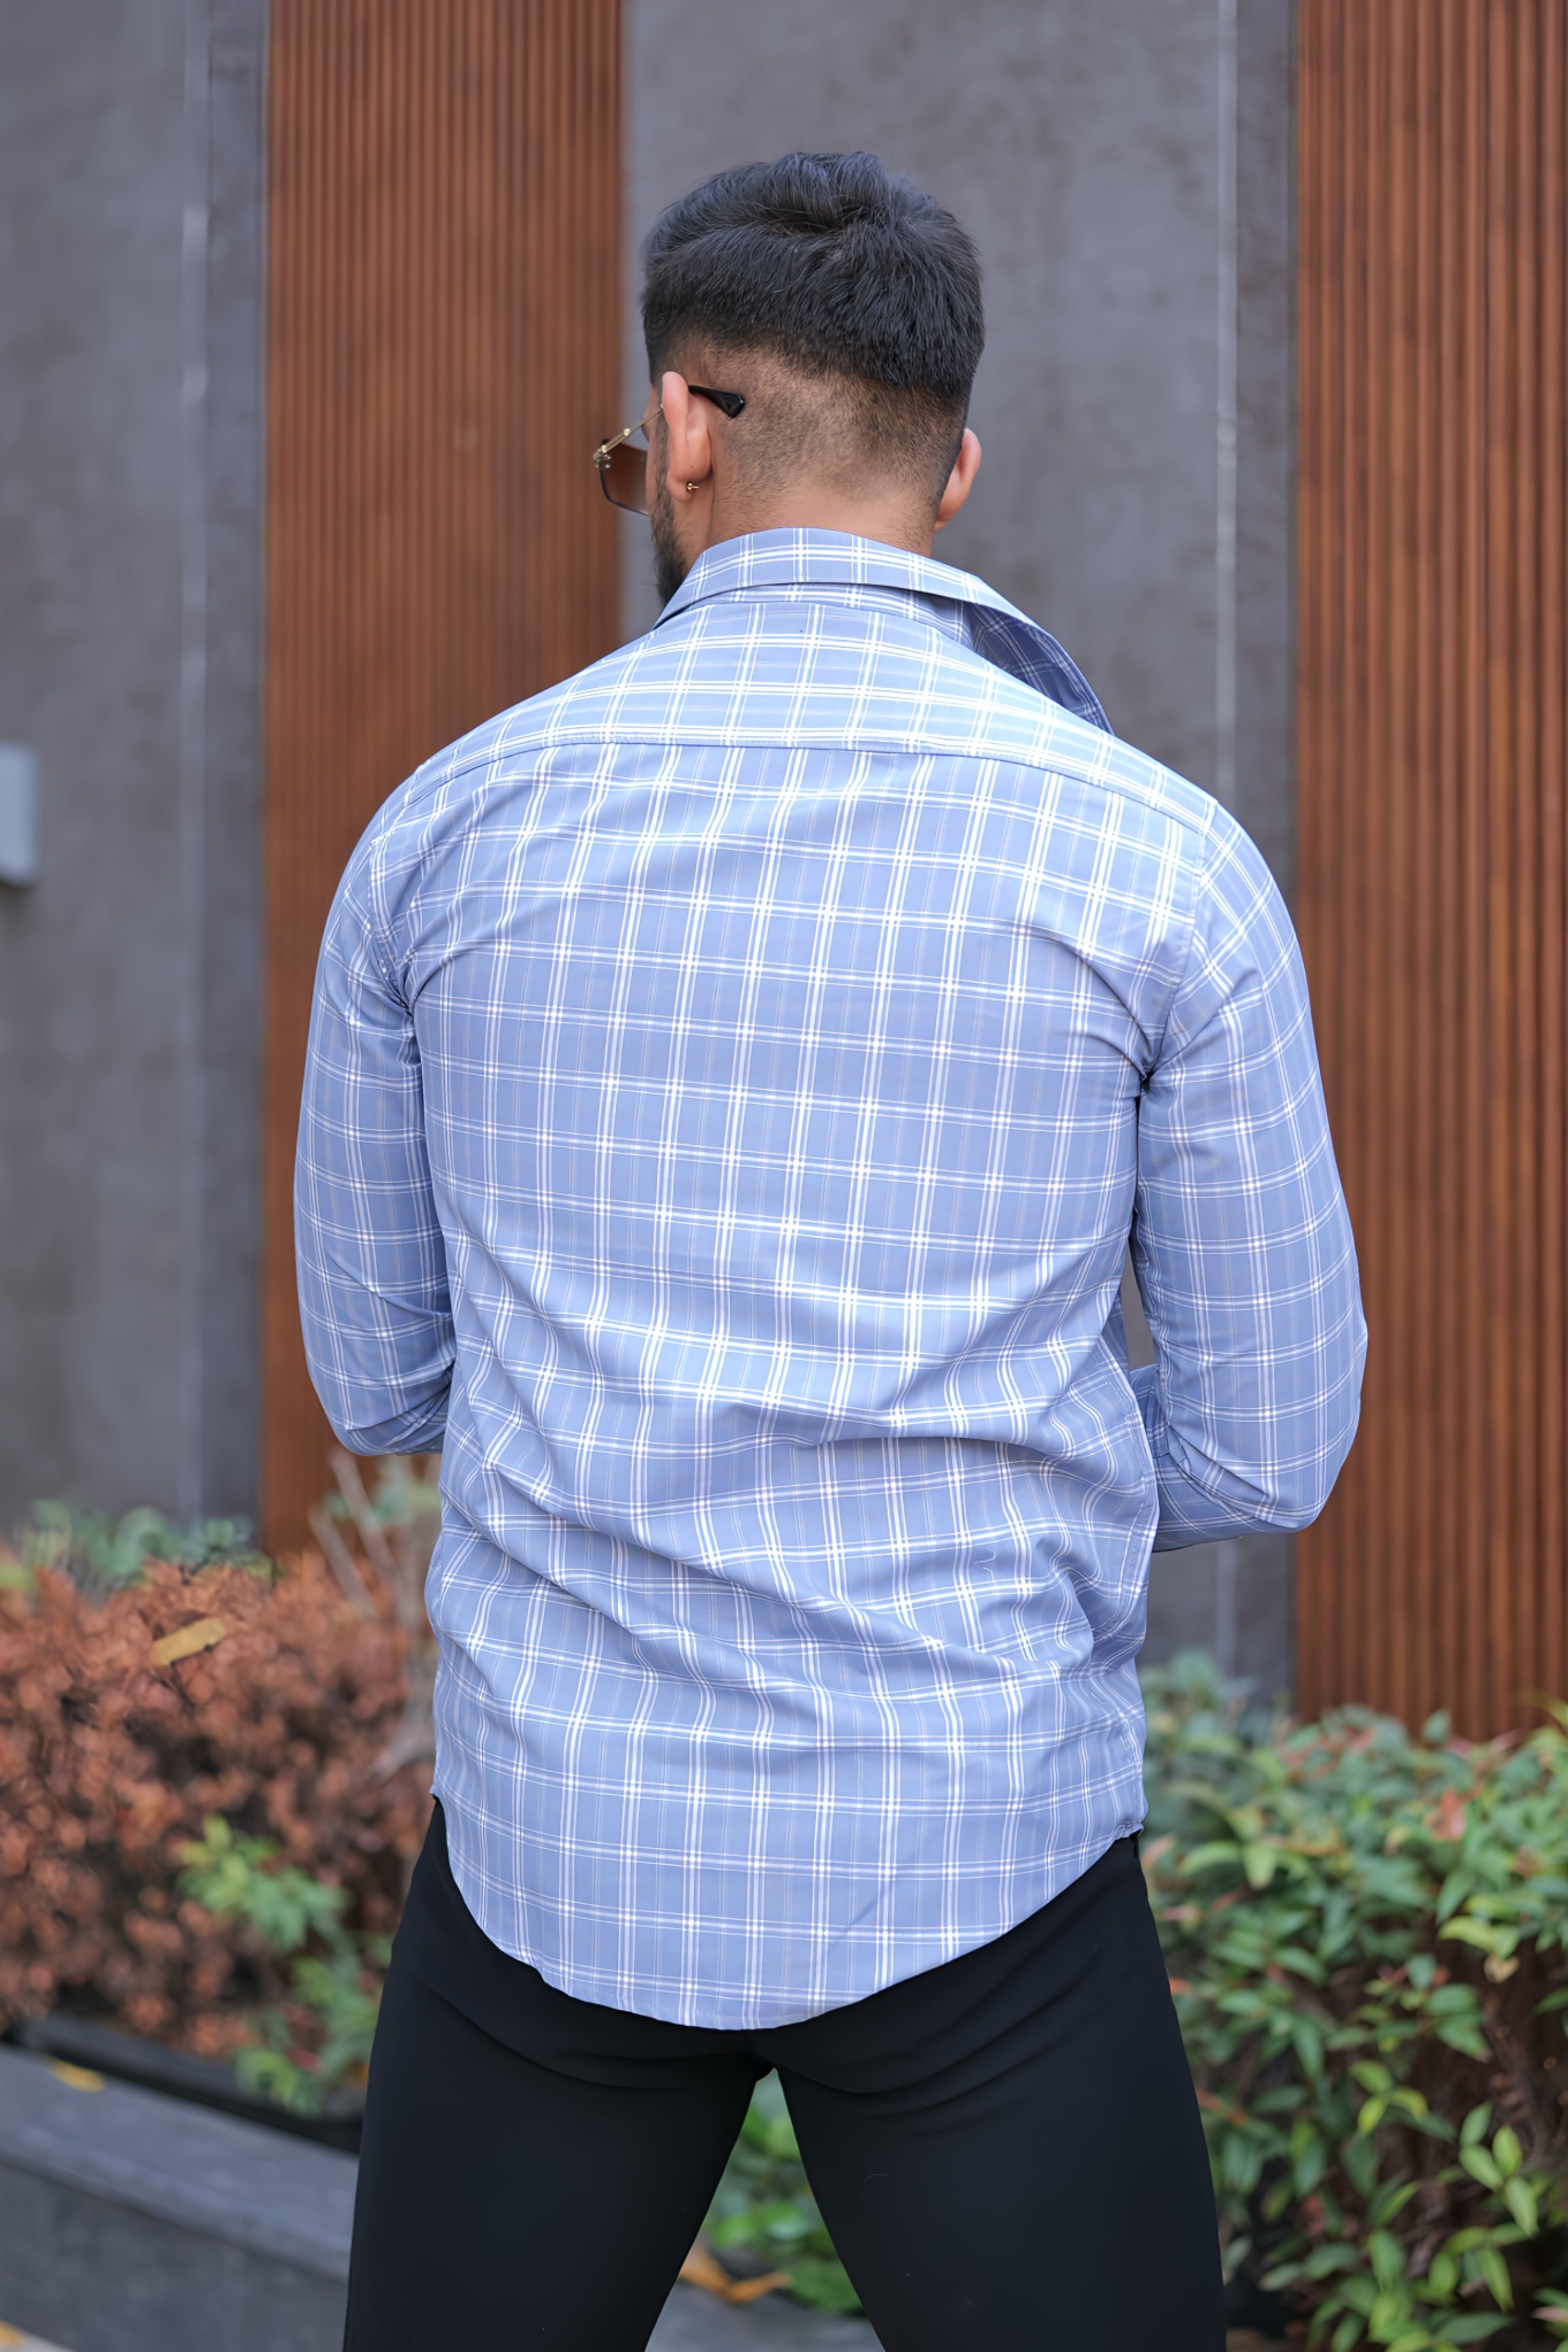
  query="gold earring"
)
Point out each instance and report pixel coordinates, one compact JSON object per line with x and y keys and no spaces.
{"x":691,"y":489}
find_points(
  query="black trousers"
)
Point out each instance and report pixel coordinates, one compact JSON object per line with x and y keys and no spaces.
{"x":1006,"y":2149}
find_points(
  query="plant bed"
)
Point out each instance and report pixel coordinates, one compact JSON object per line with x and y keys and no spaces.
{"x":130,"y":2223}
{"x":176,"y":2074}
{"x":212,"y":1784}
{"x":1366,"y":1936}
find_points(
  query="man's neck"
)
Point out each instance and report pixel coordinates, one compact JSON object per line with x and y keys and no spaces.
{"x":890,"y":520}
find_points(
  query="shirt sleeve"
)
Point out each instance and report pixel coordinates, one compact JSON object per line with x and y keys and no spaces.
{"x":1241,"y":1241}
{"x":374,"y":1305}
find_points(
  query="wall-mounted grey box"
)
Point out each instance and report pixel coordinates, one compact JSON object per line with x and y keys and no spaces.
{"x":19,"y":815}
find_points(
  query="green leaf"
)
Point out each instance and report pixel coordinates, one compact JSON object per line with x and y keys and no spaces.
{"x":1218,"y":1851}
{"x":1359,"y":2157}
{"x":1467,"y":2040}
{"x":1452,"y":2000}
{"x":1442,"y":2277}
{"x":1474,"y":2126}
{"x":1325,"y":2262}
{"x":1482,"y":2165}
{"x":822,"y":2280}
{"x":1308,"y":2158}
{"x":1494,"y":2271}
{"x":1235,"y":2254}
{"x":1485,"y":1938}
{"x":1387,"y":2258}
{"x":785,"y":2221}
{"x":1391,"y":2202}
{"x":1389,"y":2312}
{"x":1282,"y":2275}
{"x":1453,"y":1891}
{"x":271,"y":2075}
{"x":1521,"y":2202}
{"x":1307,"y":2041}
{"x":1260,"y":1863}
{"x":1507,"y":2150}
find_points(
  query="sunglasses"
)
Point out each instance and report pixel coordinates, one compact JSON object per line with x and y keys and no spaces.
{"x":622,"y":463}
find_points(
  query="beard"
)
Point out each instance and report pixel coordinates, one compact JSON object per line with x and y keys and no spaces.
{"x":669,"y":566}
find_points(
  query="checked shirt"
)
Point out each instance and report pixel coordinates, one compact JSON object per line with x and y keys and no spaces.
{"x":734,"y":1079}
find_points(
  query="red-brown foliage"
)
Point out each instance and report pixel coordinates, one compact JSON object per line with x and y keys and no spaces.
{"x":109,"y":1762}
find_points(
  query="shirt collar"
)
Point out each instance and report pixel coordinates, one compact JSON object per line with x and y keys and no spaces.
{"x":996,"y":629}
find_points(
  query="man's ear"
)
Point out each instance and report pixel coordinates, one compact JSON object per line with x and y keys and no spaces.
{"x":961,"y":482}
{"x":690,"y":443}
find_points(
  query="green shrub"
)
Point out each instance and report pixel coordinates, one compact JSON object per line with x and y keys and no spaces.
{"x":128,"y":1720}
{"x":1365,"y":1934}
{"x":764,"y":2207}
{"x":101,"y":1554}
{"x":332,"y":1991}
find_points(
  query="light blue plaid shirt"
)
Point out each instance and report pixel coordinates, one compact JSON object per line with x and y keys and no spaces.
{"x":734,"y":1077}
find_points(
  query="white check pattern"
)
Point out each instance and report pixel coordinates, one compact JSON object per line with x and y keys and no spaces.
{"x":733,"y":1079}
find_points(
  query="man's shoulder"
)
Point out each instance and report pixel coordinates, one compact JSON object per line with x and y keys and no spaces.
{"x":497,"y":750}
{"x":1039,"y":735}
{"x":905,"y":697}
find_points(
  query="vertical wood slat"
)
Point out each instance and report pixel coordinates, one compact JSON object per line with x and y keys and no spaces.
{"x":444,"y":302}
{"x":1432,"y":544}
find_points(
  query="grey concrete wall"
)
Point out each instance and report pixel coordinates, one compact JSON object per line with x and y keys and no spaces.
{"x":129,"y":250}
{"x":1264,"y":792}
{"x":1125,"y":169}
{"x":131,"y":2222}
{"x":221,"y":1433}
{"x":1078,"y":146}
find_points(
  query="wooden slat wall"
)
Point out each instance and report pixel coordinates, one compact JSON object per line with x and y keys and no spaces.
{"x":1434,"y":877}
{"x":443,"y":293}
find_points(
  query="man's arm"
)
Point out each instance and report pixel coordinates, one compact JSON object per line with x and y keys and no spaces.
{"x":373,"y":1302}
{"x":1241,"y":1243}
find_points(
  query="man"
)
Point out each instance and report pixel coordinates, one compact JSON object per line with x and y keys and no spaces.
{"x":735,"y":1079}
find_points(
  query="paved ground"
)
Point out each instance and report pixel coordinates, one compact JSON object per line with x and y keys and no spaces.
{"x":695,"y":2322}
{"x":113,"y":2192}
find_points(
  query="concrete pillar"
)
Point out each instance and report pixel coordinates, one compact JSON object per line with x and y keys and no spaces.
{"x":1126,"y":171}
{"x":130,"y":482}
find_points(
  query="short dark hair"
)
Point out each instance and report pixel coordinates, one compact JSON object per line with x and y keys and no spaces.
{"x":833,"y":264}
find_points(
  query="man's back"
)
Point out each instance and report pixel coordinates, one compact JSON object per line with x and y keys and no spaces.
{"x":734,"y":1078}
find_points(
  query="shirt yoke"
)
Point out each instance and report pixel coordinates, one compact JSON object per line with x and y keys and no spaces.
{"x":1010,"y":724}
